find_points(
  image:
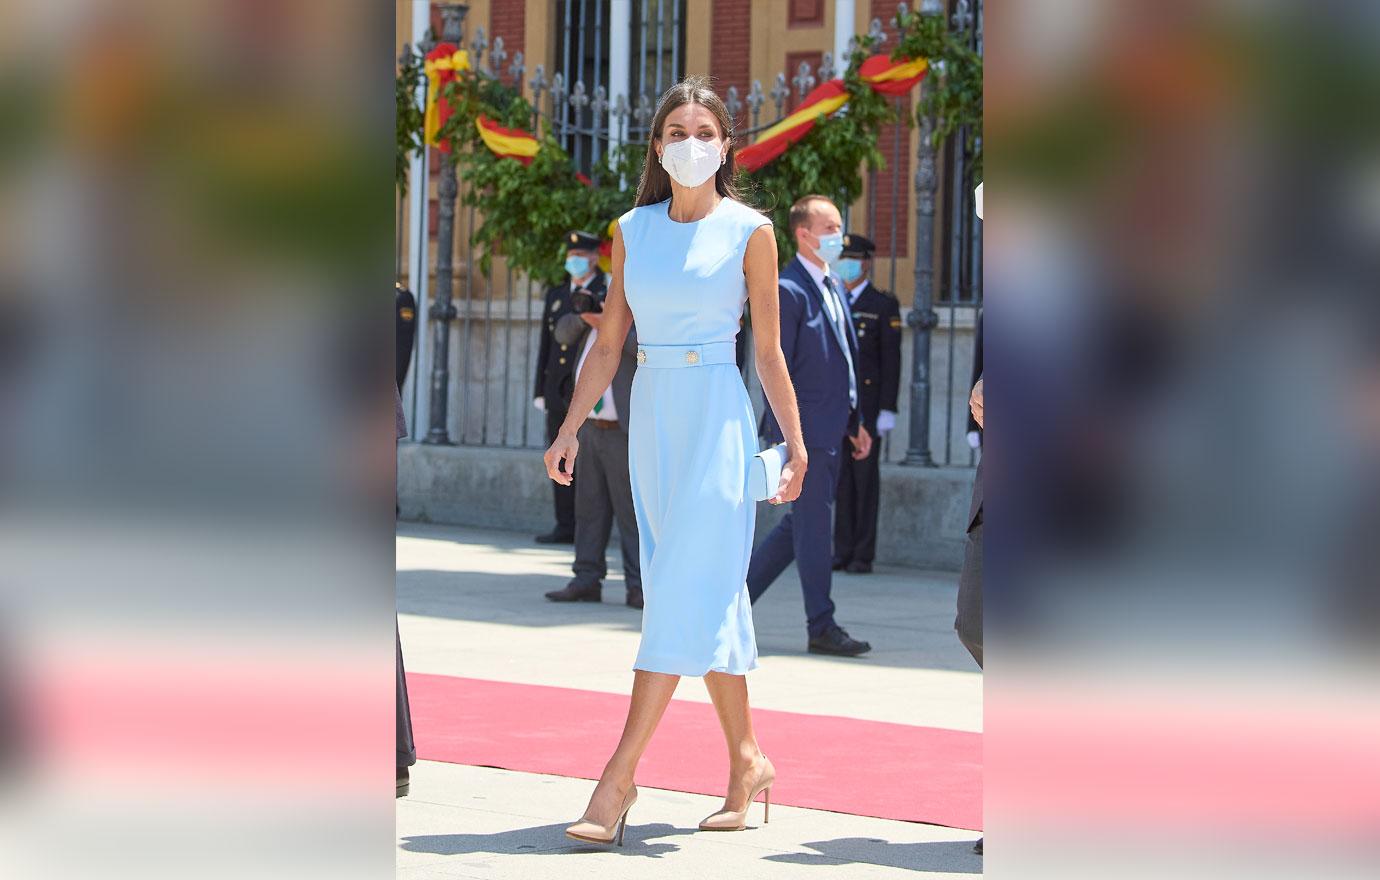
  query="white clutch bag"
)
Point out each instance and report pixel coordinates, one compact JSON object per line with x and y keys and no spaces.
{"x":764,"y":473}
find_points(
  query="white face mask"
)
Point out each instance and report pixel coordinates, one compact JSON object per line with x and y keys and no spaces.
{"x":692,"y":161}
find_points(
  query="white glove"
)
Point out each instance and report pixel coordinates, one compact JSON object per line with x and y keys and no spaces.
{"x":540,"y":403}
{"x":974,"y":439}
{"x":886,"y":420}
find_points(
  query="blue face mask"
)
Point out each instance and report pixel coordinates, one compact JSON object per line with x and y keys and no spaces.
{"x":849,"y":269}
{"x":577,"y":266}
{"x":830,"y":247}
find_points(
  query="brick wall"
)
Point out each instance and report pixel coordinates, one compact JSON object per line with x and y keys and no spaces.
{"x":805,"y":13}
{"x":730,"y":51}
{"x":892,"y":203}
{"x":508,"y":19}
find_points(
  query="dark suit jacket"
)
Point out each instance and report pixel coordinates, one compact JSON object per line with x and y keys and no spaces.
{"x":877,"y":323}
{"x":975,"y":508}
{"x":818,"y":367}
{"x":556,"y":360}
{"x":405,"y":320}
{"x":571,"y":330}
{"x":977,"y":370}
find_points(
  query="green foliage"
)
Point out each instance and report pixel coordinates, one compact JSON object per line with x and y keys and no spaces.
{"x":830,"y":159}
{"x":410,"y":115}
{"x":953,"y":88}
{"x":524,"y":211}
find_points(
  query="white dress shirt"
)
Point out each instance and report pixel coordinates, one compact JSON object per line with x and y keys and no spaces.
{"x":838,"y":314}
{"x":608,"y":412}
{"x":857,"y":292}
{"x":830,"y":301}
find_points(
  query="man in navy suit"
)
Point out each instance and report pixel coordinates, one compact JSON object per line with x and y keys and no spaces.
{"x":821,"y":350}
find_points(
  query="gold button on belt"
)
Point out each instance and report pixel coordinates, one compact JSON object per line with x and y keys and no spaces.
{"x":641,"y":356}
{"x":692,"y":357}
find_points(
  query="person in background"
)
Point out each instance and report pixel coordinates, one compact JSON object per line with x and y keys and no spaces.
{"x":821,"y":349}
{"x":556,"y":364}
{"x":604,"y":492}
{"x":405,"y":318}
{"x":877,"y":324}
{"x":974,"y":428}
{"x":404,"y":744}
{"x":968,"y":621}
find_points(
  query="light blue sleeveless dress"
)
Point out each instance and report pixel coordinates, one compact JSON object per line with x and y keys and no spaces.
{"x":691,"y":435}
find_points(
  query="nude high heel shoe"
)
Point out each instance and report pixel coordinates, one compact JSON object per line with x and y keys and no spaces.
{"x":736,"y":820}
{"x":591,"y":832}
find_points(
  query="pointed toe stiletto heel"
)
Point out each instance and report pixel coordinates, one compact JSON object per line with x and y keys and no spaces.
{"x":586,"y":831}
{"x":736,"y":820}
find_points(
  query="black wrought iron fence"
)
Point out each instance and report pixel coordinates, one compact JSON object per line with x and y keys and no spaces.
{"x":493,"y":320}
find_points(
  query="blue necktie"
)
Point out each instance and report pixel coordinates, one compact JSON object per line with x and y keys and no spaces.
{"x":842,"y":331}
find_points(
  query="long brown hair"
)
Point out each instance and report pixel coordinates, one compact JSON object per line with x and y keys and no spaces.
{"x":655,"y":185}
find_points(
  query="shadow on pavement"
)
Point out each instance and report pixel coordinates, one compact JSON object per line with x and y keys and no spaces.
{"x":946,"y":856}
{"x":906,"y":631}
{"x":548,"y":840}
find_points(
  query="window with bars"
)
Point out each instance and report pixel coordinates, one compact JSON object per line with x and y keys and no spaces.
{"x":615,"y":57}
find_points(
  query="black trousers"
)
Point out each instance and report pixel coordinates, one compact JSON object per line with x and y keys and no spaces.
{"x":605,"y":495}
{"x":564,"y":495}
{"x":406,"y":747}
{"x":968,"y":623}
{"x":855,"y":508}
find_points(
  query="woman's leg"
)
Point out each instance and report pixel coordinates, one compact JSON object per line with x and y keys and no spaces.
{"x":745,"y":759}
{"x":650,"y":694}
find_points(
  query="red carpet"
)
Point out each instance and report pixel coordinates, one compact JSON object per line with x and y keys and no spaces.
{"x":870,"y":768}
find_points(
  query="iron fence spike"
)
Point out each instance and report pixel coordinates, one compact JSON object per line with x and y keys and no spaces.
{"x":479,"y":44}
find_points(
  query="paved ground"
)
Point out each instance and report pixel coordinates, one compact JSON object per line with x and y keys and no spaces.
{"x":470,"y":604}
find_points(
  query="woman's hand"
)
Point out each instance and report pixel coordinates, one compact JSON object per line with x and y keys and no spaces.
{"x":564,"y":449}
{"x":792,"y":479}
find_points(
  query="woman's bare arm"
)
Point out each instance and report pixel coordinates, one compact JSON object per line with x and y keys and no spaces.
{"x":599,"y":368}
{"x":759,"y":266}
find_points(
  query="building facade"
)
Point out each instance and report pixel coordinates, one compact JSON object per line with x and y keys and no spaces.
{"x":638,"y":48}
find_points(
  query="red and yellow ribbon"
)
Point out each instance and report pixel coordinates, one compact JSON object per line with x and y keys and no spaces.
{"x":886,"y":77}
{"x":889,"y":77}
{"x":440,"y":65}
{"x":510,"y":143}
{"x":826,"y":99}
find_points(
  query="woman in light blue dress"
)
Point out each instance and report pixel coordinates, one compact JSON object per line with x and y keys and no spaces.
{"x":685,"y":261}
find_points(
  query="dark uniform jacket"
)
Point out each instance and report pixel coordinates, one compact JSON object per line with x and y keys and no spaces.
{"x":877,"y":323}
{"x":574,"y":332}
{"x":977,"y":371}
{"x":556,"y":360}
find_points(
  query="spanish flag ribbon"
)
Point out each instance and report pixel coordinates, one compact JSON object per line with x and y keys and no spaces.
{"x":889,"y":77}
{"x":606,"y":246}
{"x":509,"y":143}
{"x":826,"y":98}
{"x":886,"y":77}
{"x":440,"y":65}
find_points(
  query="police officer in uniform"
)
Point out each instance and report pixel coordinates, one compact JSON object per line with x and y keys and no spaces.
{"x":556,"y":364}
{"x":877,"y":321}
